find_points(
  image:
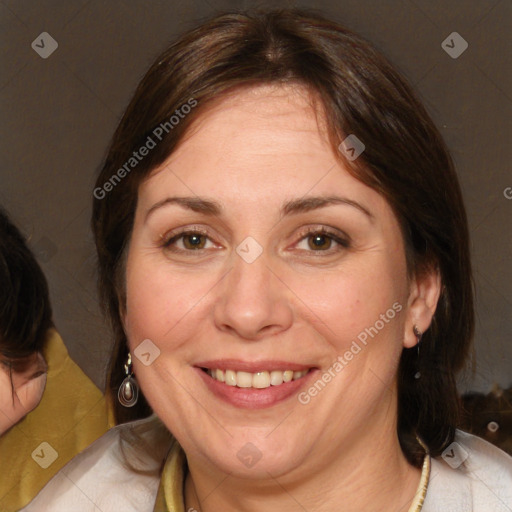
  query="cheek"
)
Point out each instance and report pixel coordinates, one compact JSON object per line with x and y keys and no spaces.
{"x":157,"y":300}
{"x":350,"y":302}
{"x":146,"y":303}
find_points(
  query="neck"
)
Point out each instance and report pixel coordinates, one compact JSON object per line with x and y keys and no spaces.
{"x":371,"y":475}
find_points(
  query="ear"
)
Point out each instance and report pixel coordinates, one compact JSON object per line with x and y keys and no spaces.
{"x":424,"y":292}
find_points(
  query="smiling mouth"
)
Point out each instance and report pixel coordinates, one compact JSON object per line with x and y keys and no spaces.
{"x":258,"y":380}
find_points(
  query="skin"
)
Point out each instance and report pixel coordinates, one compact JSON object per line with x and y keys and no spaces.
{"x":23,"y":395}
{"x":251,"y":152}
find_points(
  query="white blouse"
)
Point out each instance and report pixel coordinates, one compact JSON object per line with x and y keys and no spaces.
{"x":472,"y":476}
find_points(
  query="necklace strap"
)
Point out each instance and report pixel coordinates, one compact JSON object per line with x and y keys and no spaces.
{"x":421,"y":492}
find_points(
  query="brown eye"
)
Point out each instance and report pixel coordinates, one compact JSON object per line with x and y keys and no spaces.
{"x":188,"y":241}
{"x":320,"y":241}
{"x":194,"y":241}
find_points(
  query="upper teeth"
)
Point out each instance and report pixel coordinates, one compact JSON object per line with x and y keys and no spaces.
{"x":257,"y":380}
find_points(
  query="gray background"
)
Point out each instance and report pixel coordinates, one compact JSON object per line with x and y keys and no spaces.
{"x":58,"y":114}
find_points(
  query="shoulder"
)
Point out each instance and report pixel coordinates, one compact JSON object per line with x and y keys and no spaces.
{"x":472,"y":475}
{"x":98,"y":478}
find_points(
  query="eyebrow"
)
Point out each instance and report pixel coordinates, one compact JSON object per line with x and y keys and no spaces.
{"x":305,"y":204}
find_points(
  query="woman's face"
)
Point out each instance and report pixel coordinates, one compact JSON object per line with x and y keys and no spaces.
{"x":275,"y":260}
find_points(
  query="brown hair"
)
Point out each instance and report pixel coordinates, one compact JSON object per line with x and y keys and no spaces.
{"x":25,"y":309}
{"x":405,"y":160}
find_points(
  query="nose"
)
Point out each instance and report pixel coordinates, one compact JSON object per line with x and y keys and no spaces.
{"x":252,"y":301}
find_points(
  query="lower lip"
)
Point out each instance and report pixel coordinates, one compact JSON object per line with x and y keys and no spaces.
{"x":252,"y":398}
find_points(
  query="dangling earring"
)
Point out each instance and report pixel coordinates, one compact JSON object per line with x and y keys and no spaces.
{"x":128,"y":393}
{"x":418,"y":335}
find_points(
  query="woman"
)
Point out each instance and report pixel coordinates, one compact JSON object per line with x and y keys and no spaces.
{"x":283,"y":254}
{"x":49,"y":409}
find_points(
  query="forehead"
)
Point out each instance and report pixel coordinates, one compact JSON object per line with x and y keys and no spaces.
{"x":254,"y":148}
{"x":278,"y":127}
{"x":275,"y":103}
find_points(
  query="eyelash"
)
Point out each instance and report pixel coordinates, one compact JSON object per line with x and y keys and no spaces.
{"x":343,"y":242}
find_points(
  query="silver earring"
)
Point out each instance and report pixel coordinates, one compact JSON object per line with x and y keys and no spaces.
{"x":128,"y":393}
{"x":418,"y":335}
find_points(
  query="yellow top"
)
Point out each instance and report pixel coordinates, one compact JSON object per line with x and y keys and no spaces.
{"x":170,"y":497}
{"x":71,"y":415}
